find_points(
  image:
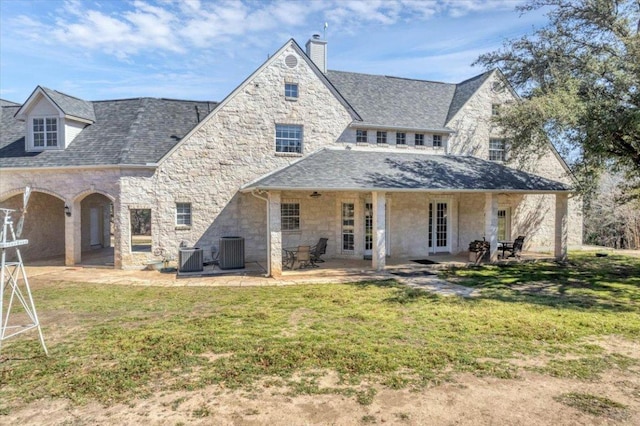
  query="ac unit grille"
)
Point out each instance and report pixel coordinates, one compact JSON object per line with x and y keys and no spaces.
{"x":231,"y":253}
{"x":190,"y":259}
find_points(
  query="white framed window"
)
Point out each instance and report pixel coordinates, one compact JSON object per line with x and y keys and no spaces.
{"x":45,"y":132}
{"x":381,"y":137}
{"x":419,"y":139}
{"x":437,"y":141}
{"x":291,"y":90}
{"x":183,"y":214}
{"x":361,"y":136}
{"x":290,"y":216}
{"x":348,"y":226}
{"x":289,"y":138}
{"x":497,"y":150}
{"x":401,"y":138}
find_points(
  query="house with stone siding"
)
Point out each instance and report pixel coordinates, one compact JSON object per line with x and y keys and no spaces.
{"x":381,"y":166}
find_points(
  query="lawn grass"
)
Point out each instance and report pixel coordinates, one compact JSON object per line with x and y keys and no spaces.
{"x":112,"y":343}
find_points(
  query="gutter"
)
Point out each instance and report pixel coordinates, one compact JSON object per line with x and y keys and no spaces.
{"x":268,"y":274}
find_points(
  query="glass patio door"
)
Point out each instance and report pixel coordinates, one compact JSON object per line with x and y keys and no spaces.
{"x":438,"y":227}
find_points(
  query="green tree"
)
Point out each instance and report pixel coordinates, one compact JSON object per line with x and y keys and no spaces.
{"x":579,"y":79}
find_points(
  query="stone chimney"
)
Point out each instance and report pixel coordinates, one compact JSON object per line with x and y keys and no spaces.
{"x":317,"y":51}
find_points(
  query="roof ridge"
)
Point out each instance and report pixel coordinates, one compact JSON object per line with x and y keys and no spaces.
{"x":394,"y":77}
{"x":65,"y":94}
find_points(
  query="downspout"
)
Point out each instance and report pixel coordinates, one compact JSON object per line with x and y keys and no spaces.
{"x":268,"y":232}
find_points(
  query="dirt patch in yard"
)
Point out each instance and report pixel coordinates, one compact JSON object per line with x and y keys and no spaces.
{"x":530,"y":399}
{"x":467,"y":400}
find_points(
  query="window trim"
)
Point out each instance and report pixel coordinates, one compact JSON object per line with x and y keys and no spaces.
{"x":401,"y":138}
{"x":184,"y":215}
{"x":347,"y":226}
{"x":415,"y":139}
{"x":498,"y":154}
{"x":437,"y":138}
{"x":381,"y":137}
{"x":290,"y":214}
{"x":288,"y":93}
{"x":46,"y":133}
{"x":362,"y":136}
{"x":288,"y":140}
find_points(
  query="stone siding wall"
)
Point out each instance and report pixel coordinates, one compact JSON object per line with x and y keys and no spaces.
{"x":233,"y":146}
{"x":534,"y":215}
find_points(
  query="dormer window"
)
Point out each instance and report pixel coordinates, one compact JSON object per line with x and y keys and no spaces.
{"x":45,"y":132}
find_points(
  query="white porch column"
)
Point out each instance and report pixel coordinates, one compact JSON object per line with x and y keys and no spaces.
{"x":378,"y":258}
{"x":561,"y":228}
{"x":72,"y":234}
{"x":275,"y":234}
{"x":491,"y":223}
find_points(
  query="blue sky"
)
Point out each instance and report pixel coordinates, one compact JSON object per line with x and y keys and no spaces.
{"x":198,"y":49}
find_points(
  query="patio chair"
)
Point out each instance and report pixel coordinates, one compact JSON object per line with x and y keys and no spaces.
{"x":515,"y":249}
{"x":303,"y":256}
{"x":318,"y":250}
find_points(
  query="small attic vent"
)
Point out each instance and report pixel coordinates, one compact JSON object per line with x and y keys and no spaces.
{"x":291,"y":61}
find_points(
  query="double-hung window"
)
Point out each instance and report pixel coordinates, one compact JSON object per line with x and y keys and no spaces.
{"x":290,"y":216}
{"x":361,"y":136}
{"x":437,"y":141}
{"x":401,"y":138}
{"x":288,"y":138}
{"x":419,"y":139}
{"x":45,"y":132}
{"x":497,"y":150}
{"x":183,"y":214}
{"x":290,"y":90}
{"x":381,"y":137}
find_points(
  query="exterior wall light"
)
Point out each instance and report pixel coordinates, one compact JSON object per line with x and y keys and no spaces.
{"x":315,"y":194}
{"x":67,"y":210}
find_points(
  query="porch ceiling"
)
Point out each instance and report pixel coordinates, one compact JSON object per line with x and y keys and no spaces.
{"x":359,"y":170}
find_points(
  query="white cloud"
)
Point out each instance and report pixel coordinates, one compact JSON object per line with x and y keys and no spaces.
{"x":179,"y":25}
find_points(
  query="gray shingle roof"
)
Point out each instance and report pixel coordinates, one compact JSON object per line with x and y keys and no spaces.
{"x":357,"y":170}
{"x":4,"y":102}
{"x":464,"y":91}
{"x":71,"y":105}
{"x":129,"y":131}
{"x":395,"y":102}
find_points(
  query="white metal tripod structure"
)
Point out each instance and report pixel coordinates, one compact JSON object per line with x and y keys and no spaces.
{"x":9,"y":275}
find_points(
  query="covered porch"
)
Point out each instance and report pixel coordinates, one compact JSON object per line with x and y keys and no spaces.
{"x":378,"y":207}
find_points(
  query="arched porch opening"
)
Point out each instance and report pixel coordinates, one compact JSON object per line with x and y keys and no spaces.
{"x":44,"y":226}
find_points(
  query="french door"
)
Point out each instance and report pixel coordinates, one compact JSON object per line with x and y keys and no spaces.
{"x":439,"y":227}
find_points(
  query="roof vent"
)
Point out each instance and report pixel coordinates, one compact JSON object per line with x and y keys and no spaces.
{"x":291,"y":61}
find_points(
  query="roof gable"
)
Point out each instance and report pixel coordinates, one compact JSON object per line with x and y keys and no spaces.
{"x":71,"y":107}
{"x":464,"y":91}
{"x":294,"y":45}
